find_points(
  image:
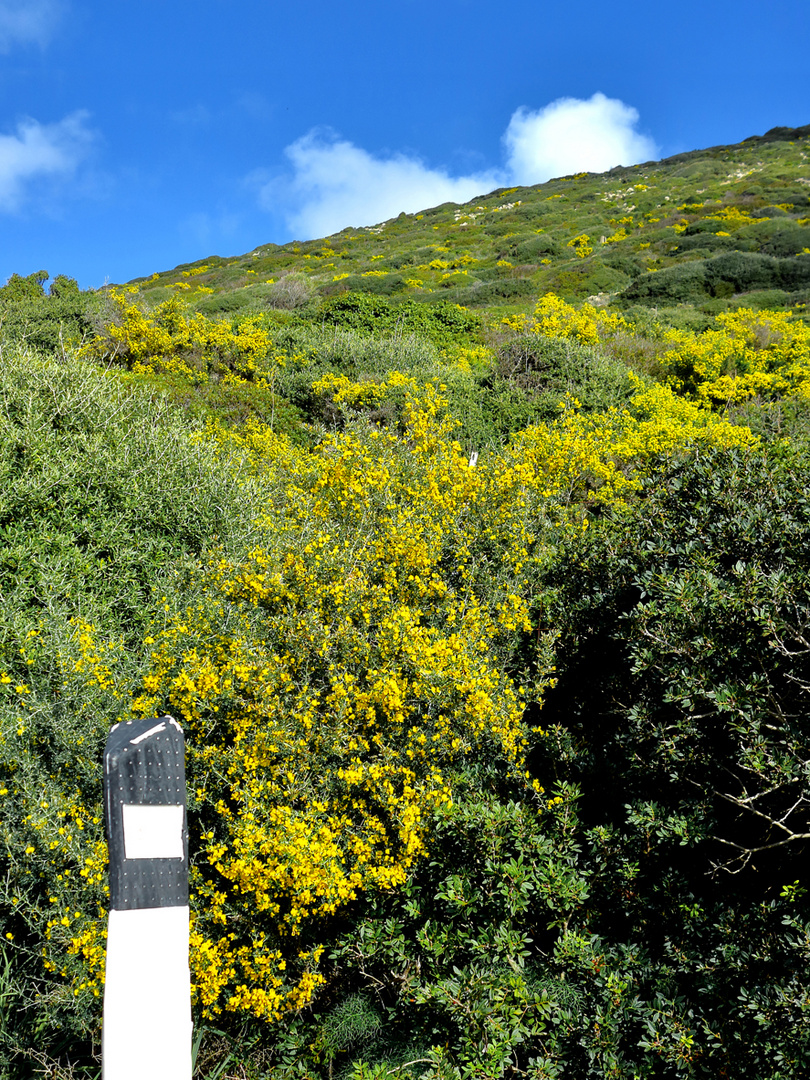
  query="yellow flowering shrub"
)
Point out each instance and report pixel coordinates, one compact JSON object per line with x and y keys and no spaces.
{"x":329,"y":684}
{"x":337,"y":677}
{"x":751,"y":354}
{"x":581,"y":245}
{"x":553,"y":317}
{"x":173,"y":339}
{"x":733,"y":217}
{"x":335,"y":680}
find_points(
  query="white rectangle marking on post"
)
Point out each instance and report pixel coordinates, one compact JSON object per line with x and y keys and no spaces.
{"x":153,"y":832}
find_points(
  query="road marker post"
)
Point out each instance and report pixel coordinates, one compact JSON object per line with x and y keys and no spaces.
{"x":146,"y":1032}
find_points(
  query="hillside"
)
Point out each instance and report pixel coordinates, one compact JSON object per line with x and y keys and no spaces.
{"x":716,"y":228}
{"x":472,"y":552}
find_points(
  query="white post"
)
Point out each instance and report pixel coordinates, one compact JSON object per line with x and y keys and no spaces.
{"x":146,"y":1033}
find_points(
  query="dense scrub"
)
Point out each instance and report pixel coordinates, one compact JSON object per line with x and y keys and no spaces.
{"x":496,"y":769}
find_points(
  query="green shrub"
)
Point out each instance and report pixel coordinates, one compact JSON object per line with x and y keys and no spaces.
{"x":107,"y":505}
{"x":494,"y":292}
{"x":224,"y":303}
{"x":679,"y":712}
{"x":589,"y":277}
{"x":625,"y":264}
{"x":770,"y":212}
{"x":549,"y":368}
{"x":24,"y":288}
{"x":440,"y":321}
{"x":708,"y":242}
{"x":375,"y":286}
{"x":530,"y":247}
{"x":788,"y":241}
{"x":498,"y":228}
{"x":706,"y":225}
{"x":46,"y":323}
{"x":724,"y":275}
{"x":744,"y":271}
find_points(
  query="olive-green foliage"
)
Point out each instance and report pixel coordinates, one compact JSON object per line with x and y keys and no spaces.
{"x":528,"y":247}
{"x":94,"y":490}
{"x":548,"y":369}
{"x":224,"y":302}
{"x":490,"y":292}
{"x":588,"y":278}
{"x":45,"y":322}
{"x":788,"y":242}
{"x":24,"y":288}
{"x":705,"y":243}
{"x":225,"y":401}
{"x":787,"y":417}
{"x":106,"y":506}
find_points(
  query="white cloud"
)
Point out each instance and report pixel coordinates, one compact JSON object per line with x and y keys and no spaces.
{"x":40,"y":151}
{"x":24,"y":21}
{"x":335,"y":184}
{"x":570,"y":136}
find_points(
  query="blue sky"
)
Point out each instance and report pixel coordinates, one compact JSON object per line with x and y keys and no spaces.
{"x":134,"y":137}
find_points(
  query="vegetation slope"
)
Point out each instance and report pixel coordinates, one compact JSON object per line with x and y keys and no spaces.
{"x":471,"y":551}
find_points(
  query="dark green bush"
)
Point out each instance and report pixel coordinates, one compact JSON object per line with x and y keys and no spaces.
{"x":376,"y":286}
{"x":499,"y":228}
{"x":223,"y":303}
{"x":788,"y":241}
{"x":63,"y":286}
{"x":441,"y":320}
{"x":674,"y":284}
{"x":586,"y":278}
{"x":709,"y":242}
{"x":704,"y":226}
{"x":746,"y":271}
{"x":770,"y":212}
{"x":625,"y":264}
{"x":494,"y":292}
{"x":529,"y":247}
{"x":403,"y":258}
{"x":736,"y":272}
{"x":681,"y":705}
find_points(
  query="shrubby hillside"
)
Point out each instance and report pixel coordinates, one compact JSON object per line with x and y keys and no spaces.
{"x":695,"y":230}
{"x":471,"y":552}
